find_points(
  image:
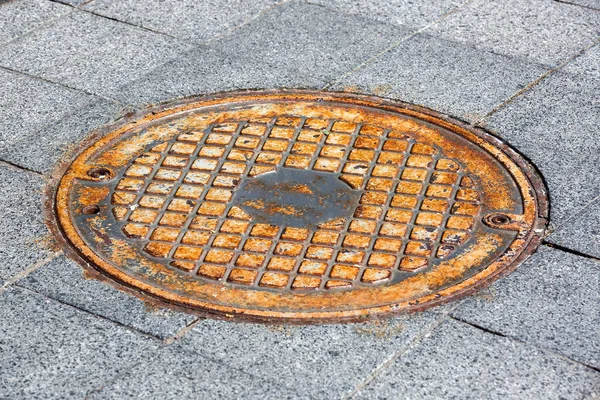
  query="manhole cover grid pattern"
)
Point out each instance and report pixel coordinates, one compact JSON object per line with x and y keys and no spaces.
{"x":415,"y":206}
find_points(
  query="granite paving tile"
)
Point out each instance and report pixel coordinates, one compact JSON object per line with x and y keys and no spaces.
{"x":63,"y":280}
{"x":457,"y":361}
{"x":18,"y":17}
{"x":400,"y":12}
{"x":316,"y":361}
{"x":293,"y":45}
{"x":446,"y":76}
{"x":582,"y":232}
{"x":39,"y":150}
{"x":541,"y":31}
{"x":29,"y":104}
{"x":195,"y":20}
{"x":22,"y":229}
{"x":53,"y":351}
{"x":90,"y":53}
{"x":555,"y":125}
{"x":174,"y":374}
{"x":550,"y":301}
{"x":587,"y":63}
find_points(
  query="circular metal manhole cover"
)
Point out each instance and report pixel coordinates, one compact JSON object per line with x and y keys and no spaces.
{"x":297,"y":206}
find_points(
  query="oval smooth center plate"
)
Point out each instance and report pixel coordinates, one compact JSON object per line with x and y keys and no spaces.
{"x":296,"y":206}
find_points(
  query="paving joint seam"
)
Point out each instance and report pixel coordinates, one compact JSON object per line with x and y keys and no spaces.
{"x":394,"y":45}
{"x":539,"y":79}
{"x":480,"y":327}
{"x":183,"y":331}
{"x":21,"y":168}
{"x":181,"y":39}
{"x":234,"y":29}
{"x":570,"y":251}
{"x":101,"y":386}
{"x":577,"y":5}
{"x":514,"y":339}
{"x":40,"y":26}
{"x":573,"y":215}
{"x":69,"y":4}
{"x":32,"y":268}
{"x":239,"y":370}
{"x":16,"y":71}
{"x":378,"y":370}
{"x":114,"y":322}
{"x":127,"y":23}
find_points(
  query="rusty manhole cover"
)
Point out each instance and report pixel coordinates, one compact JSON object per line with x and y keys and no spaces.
{"x":297,"y":206}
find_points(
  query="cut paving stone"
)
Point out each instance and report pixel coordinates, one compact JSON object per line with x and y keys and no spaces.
{"x":90,"y":53}
{"x":582,"y":232}
{"x":310,"y":40}
{"x":189,"y":19}
{"x":460,"y":361}
{"x":555,"y":125}
{"x":29,"y":104}
{"x":587,"y":63}
{"x":40,"y":150}
{"x":207,"y":70}
{"x":542,"y":31}
{"x":176,"y":374}
{"x":63,"y":280}
{"x":403,"y":12}
{"x":22,"y":228}
{"x":444,"y":76}
{"x":294,"y":45}
{"x":550,"y":301}
{"x":316,"y":361}
{"x":21,"y":16}
{"x":53,"y":351}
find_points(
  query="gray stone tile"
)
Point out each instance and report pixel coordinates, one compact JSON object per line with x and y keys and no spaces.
{"x":53,"y":351}
{"x":555,"y":125}
{"x":173,"y":374}
{"x":207,"y":70}
{"x":306,"y":39}
{"x":316,"y":361}
{"x":550,"y":301}
{"x":189,"y":19}
{"x":400,"y":12}
{"x":29,"y":104}
{"x":294,"y":45}
{"x":582,"y":232}
{"x":63,"y":280}
{"x":587,"y":63}
{"x":443,"y":75}
{"x":91,"y":53}
{"x":21,"y":16}
{"x":22,"y":227}
{"x":457,"y":361}
{"x":40,"y":149}
{"x":542,"y":31}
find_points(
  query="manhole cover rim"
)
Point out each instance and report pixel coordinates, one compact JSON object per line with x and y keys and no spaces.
{"x":161,"y":297}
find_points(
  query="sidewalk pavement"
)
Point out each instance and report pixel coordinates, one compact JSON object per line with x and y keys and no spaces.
{"x":527,"y":70}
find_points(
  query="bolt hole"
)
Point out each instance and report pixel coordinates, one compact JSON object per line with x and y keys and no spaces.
{"x":500,"y":219}
{"x":90,"y":210}
{"x":100,"y":173}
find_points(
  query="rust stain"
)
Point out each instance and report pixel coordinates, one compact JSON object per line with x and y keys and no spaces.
{"x":47,"y":242}
{"x":380,"y":328}
{"x":442,"y":208}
